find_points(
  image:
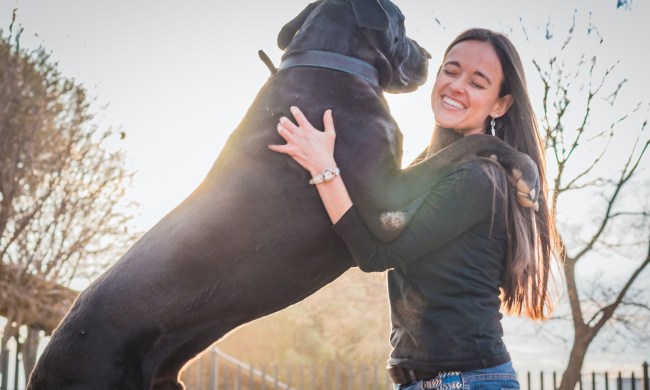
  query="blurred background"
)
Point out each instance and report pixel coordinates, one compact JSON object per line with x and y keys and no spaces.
{"x":159,"y":86}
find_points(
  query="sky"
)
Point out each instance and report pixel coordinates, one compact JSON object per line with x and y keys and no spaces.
{"x":178,"y":76}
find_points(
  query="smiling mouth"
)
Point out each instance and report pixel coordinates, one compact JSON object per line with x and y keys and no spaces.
{"x":452,"y":102}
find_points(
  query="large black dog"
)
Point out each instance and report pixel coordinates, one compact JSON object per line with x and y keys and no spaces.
{"x":254,"y":237}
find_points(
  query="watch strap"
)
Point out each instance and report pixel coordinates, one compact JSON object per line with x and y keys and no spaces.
{"x":326,"y":176}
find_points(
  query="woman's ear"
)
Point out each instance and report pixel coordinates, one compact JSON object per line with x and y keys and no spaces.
{"x":504,"y":104}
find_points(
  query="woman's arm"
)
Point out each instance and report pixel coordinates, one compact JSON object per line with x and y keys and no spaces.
{"x":462,"y":199}
{"x":314,"y":151}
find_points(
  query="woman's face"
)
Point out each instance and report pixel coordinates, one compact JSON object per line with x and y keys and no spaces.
{"x":466,"y":90}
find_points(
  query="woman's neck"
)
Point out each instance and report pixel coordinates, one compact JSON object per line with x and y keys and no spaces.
{"x":441,"y":138}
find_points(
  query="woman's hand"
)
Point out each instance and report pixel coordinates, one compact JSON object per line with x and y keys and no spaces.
{"x":314,"y":151}
{"x":311,"y":148}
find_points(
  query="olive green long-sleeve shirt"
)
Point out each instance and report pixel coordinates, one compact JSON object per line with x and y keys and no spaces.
{"x":445,"y":273}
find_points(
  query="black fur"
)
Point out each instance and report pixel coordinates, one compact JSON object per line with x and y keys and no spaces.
{"x":254,"y":237}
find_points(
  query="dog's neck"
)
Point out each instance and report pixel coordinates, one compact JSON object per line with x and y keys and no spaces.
{"x":334,"y":61}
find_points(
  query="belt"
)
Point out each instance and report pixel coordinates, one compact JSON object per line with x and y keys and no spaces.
{"x":401,"y":375}
{"x":448,"y":380}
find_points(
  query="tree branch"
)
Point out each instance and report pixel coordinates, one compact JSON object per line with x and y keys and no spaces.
{"x":626,"y":174}
{"x":608,"y":311}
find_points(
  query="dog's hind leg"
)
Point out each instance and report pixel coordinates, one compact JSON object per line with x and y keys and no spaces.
{"x":162,"y":366}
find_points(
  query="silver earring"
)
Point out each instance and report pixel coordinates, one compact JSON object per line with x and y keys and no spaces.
{"x":493,"y":123}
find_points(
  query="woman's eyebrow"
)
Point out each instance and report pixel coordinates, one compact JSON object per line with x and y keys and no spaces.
{"x":481,"y":74}
{"x":478,"y":72}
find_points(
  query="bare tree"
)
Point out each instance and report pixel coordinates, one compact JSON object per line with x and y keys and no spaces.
{"x":61,"y":191}
{"x":597,"y":152}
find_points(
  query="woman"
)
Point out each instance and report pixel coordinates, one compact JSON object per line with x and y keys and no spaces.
{"x":471,"y":248}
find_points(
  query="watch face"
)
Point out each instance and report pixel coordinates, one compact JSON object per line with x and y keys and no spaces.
{"x":328,"y":175}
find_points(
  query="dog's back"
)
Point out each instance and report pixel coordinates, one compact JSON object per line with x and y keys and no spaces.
{"x":254,"y":237}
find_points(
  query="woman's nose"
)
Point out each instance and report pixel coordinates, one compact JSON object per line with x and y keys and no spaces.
{"x":457,"y":84}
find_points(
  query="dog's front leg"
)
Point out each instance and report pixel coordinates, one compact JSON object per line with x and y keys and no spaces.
{"x":398,"y":196}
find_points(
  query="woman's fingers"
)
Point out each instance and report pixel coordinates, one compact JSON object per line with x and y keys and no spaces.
{"x":300,"y":118}
{"x":285,"y":133}
{"x":287,"y":125}
{"x":328,"y":122}
{"x":280,"y":148}
{"x":311,"y":148}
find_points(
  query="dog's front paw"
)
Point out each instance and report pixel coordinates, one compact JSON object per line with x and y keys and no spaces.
{"x":527,"y":194}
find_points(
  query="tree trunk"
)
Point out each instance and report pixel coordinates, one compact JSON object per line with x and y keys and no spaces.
{"x":571,"y":375}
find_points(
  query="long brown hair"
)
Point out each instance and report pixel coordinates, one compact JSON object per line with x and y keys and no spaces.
{"x":532,"y":239}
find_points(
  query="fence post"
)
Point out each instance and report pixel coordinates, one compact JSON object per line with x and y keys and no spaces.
{"x":251,"y":378}
{"x":198,"y":383}
{"x":350,"y":376}
{"x":633,"y":382}
{"x":554,"y":380}
{"x":528,"y":377}
{"x":337,"y":376}
{"x":214,"y":371}
{"x":18,"y":359}
{"x":263,"y":377}
{"x":541,"y":380}
{"x":619,"y":382}
{"x":646,"y":385}
{"x":375,"y":381}
{"x":289,"y":376}
{"x":301,"y":375}
{"x":606,"y":380}
{"x":593,"y":380}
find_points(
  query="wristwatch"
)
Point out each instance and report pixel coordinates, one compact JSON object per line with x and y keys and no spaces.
{"x":326,"y":176}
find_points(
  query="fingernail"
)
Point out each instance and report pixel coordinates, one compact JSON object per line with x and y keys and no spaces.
{"x":293,"y":109}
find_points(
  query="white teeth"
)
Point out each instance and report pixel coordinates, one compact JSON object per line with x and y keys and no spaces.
{"x":452,"y":102}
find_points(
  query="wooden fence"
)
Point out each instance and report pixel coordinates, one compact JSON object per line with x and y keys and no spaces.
{"x":216,"y":370}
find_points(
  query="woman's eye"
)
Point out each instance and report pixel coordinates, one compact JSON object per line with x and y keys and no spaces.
{"x":450,"y":72}
{"x":478,"y":85}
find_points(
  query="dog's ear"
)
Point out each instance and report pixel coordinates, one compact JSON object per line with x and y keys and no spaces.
{"x":290,"y":29}
{"x":370,"y":13}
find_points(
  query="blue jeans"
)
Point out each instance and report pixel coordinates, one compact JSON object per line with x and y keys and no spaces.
{"x":494,"y":378}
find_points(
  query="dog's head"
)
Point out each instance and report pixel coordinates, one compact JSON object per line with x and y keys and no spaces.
{"x":371,"y":30}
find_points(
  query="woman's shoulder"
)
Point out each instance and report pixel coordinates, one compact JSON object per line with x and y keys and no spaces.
{"x":477,"y":172}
